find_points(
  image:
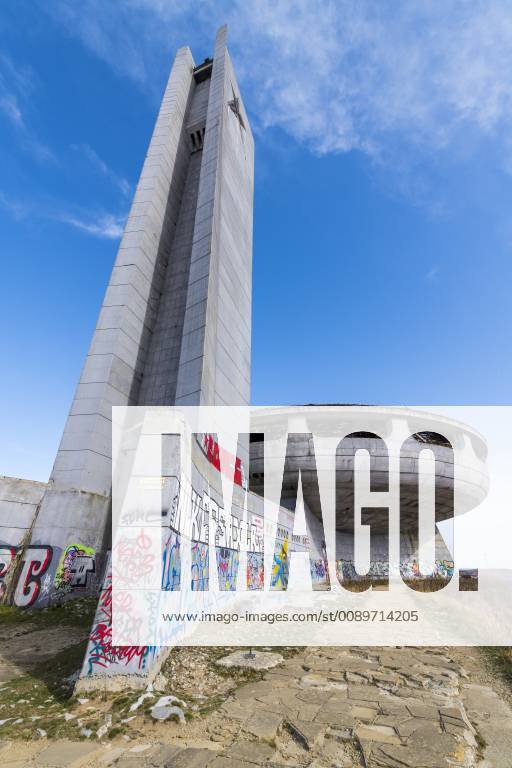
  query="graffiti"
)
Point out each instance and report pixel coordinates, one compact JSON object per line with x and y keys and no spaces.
{"x":318,"y":568}
{"x":200,"y":566}
{"x":36,"y":560}
{"x":444,"y":568}
{"x":46,"y":584}
{"x":410,"y":569}
{"x":200,"y":516}
{"x":255,"y":570}
{"x":379,"y":570}
{"x":231,"y":465}
{"x":280,"y":567}
{"x":171,"y":562}
{"x":227,"y":568}
{"x":100,"y":651}
{"x":76,"y":563}
{"x":191,"y":513}
{"x":346,"y":571}
{"x":173,"y":512}
{"x":133,"y":558}
{"x":35,"y":579}
{"x":7,"y":558}
{"x":319,"y":572}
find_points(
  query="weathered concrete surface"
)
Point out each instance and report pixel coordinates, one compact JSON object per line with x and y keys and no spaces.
{"x":18,"y":503}
{"x":325,"y":708}
{"x":258,"y":660}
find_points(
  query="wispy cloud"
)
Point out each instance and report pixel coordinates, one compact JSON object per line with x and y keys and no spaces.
{"x":336,"y":75}
{"x":10,"y":108}
{"x":16,"y":85}
{"x":95,"y":223}
{"x":16,"y":208}
{"x":104,"y":226}
{"x":432,"y":274}
{"x":101,"y":167}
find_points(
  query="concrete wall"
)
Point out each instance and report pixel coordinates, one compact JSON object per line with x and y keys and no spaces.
{"x":199,"y":351}
{"x":215,"y":351}
{"x":18,"y":503}
{"x":19,"y":500}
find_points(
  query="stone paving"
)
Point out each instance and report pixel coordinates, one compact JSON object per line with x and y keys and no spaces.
{"x":323,"y":708}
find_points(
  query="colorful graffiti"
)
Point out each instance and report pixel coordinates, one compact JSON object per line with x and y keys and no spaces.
{"x":443,"y":569}
{"x":227,"y":568}
{"x":100,"y":651}
{"x":171,"y":573}
{"x":132,"y":558}
{"x":200,"y":567}
{"x":319,"y":569}
{"x":35,"y":562}
{"x":255,"y":570}
{"x":379,"y":570}
{"x":280,"y":566}
{"x":214,"y":452}
{"x":77,"y":562}
{"x":319,"y":572}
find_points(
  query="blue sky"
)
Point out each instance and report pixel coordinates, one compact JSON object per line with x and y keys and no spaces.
{"x":383,"y":236}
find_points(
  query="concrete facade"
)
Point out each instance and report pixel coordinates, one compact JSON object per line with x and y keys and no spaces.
{"x":174,"y":326}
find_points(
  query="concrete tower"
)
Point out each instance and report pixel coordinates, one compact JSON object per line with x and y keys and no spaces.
{"x":174,"y":327}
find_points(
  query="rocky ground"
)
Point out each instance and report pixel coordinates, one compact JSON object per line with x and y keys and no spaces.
{"x":320,"y":707}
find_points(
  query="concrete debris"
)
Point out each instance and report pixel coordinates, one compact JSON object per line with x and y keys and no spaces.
{"x":103,"y":730}
{"x":164,"y":712}
{"x":142,"y":698}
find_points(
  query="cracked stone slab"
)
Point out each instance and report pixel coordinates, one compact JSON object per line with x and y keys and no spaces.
{"x":381,"y":733}
{"x":256,"y":752}
{"x":230,"y":762}
{"x":308,"y":733}
{"x":163,"y":755}
{"x":193,"y":757}
{"x":264,"y":725}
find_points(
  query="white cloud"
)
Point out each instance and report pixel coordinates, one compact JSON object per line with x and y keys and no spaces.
{"x":98,"y":224}
{"x":104,"y":226}
{"x":335,"y":75}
